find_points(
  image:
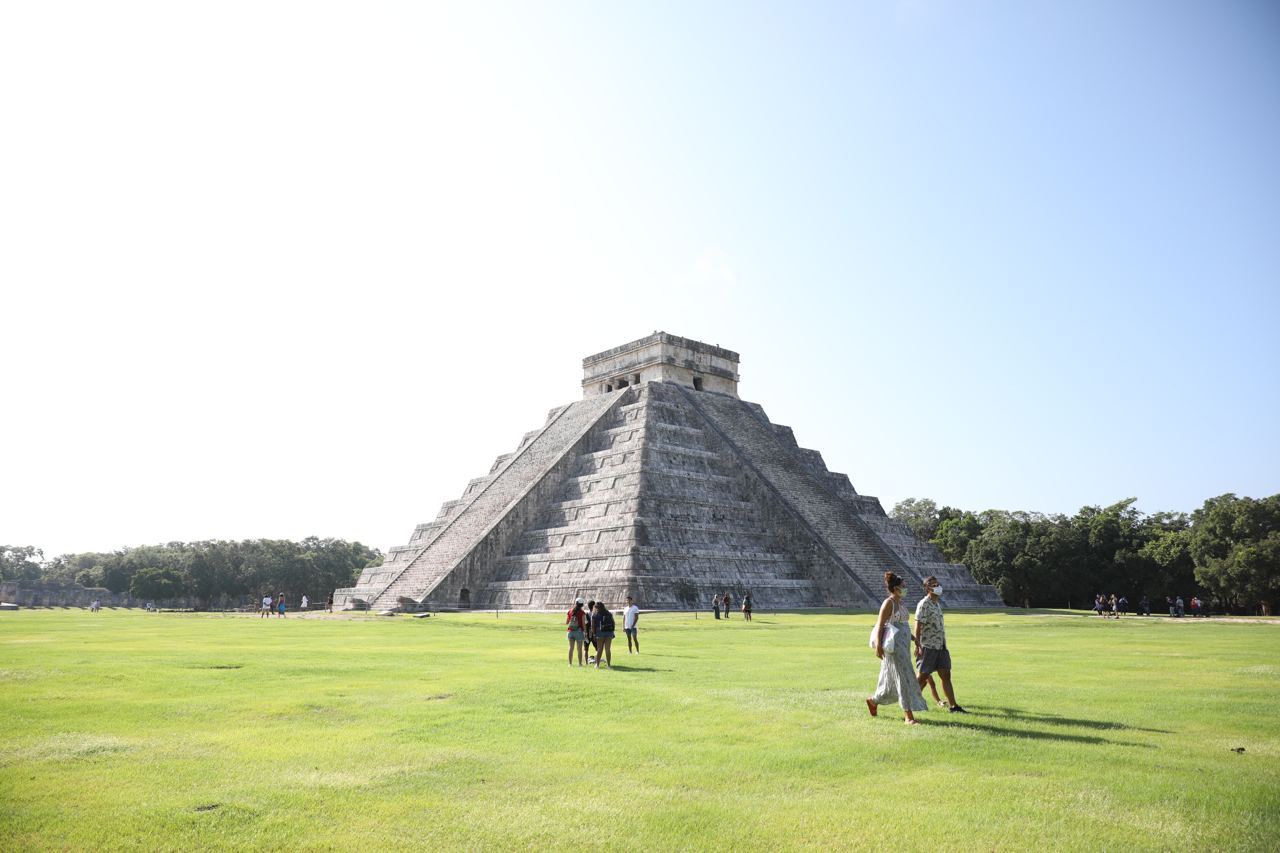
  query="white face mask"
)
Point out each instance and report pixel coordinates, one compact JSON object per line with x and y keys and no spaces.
{"x":937,"y":590}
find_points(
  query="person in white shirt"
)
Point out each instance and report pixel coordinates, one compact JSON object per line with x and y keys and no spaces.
{"x":305,"y":602}
{"x":266,"y":606}
{"x":630,"y":620}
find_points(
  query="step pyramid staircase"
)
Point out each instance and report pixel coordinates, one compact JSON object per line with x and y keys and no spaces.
{"x":667,"y":493}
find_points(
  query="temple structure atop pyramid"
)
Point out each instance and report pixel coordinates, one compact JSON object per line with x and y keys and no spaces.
{"x":661,"y":484}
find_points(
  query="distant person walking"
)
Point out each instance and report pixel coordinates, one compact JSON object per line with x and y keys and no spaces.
{"x":1112,"y":606}
{"x":725,"y":603}
{"x":304,"y":603}
{"x":602,"y":628}
{"x":1169,"y":601}
{"x":280,"y":608}
{"x":715,"y":605}
{"x":746,"y":607}
{"x":1098,"y":606}
{"x":631,"y":625}
{"x":897,"y":677}
{"x":329,"y":603}
{"x":1123,"y":605}
{"x":931,"y":643}
{"x":266,"y":606}
{"x":1181,"y":607}
{"x":1144,"y":606}
{"x":576,"y":625}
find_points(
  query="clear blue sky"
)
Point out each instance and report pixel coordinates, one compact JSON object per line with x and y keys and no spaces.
{"x":280,"y":269}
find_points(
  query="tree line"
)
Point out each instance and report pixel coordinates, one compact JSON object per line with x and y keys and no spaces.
{"x":1228,"y":551}
{"x":213,"y":573}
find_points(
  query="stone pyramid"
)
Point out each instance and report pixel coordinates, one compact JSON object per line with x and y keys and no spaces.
{"x":660,"y":484}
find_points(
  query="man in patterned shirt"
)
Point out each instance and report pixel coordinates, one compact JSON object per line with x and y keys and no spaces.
{"x":932,"y":637}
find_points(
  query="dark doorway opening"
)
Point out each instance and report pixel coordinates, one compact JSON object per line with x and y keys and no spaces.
{"x":697,"y":383}
{"x":464,"y":598}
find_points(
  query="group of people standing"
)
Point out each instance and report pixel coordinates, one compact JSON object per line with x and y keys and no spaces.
{"x":724,"y":600}
{"x":591,"y":630}
{"x":276,"y":605}
{"x":894,"y":642}
{"x":1111,"y":607}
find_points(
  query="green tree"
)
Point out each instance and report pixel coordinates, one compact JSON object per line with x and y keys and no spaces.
{"x":1232,"y":544}
{"x":920,"y":514}
{"x":156,"y":583}
{"x":20,"y":563}
{"x":954,"y":535}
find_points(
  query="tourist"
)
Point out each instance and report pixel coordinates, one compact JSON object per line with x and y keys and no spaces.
{"x":602,"y":628}
{"x":304,"y":603}
{"x":1144,"y":606}
{"x":1169,"y":601}
{"x":266,"y":606}
{"x":931,"y":642}
{"x":746,"y":607}
{"x":1098,"y":606}
{"x":592,"y":650}
{"x":897,"y":681}
{"x":280,"y":606}
{"x":1123,"y":605}
{"x":1181,"y":607}
{"x":1111,"y":606}
{"x":576,"y":622}
{"x":725,"y":605}
{"x":630,"y":625}
{"x":715,"y":605}
{"x":329,"y":603}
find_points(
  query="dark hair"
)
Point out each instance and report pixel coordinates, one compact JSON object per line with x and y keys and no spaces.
{"x":931,"y":579}
{"x":891,"y":582}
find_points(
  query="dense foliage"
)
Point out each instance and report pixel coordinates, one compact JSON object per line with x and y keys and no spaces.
{"x":1228,"y":551}
{"x":212,"y":573}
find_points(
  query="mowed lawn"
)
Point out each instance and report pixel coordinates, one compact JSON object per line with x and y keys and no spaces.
{"x":179,"y":731}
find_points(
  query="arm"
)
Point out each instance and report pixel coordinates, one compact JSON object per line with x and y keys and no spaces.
{"x":885,"y":610}
{"x":917,"y":636}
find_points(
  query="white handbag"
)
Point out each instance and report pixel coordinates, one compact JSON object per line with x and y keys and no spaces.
{"x":889,"y":633}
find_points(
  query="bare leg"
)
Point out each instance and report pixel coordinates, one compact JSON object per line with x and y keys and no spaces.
{"x":933,"y":688}
{"x":945,"y":675}
{"x":608,"y":653}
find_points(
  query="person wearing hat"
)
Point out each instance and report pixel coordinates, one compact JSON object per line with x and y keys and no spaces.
{"x":576,"y":623}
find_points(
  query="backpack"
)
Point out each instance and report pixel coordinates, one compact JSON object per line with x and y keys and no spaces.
{"x":606,"y":621}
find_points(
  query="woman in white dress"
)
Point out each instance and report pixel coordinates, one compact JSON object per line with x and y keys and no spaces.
{"x":897,"y":677}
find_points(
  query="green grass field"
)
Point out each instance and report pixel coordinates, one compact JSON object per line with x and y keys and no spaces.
{"x":179,"y":731}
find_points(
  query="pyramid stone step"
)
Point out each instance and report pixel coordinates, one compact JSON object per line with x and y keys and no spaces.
{"x":526,"y":467}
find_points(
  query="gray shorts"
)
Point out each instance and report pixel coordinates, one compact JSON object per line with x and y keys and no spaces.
{"x":934,"y":660}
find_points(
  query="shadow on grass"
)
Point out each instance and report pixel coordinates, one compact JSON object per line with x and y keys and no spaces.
{"x":624,"y":668}
{"x":1056,"y":720}
{"x":1031,"y":734}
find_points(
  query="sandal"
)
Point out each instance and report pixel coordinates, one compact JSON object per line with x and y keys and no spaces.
{"x":872,"y":707}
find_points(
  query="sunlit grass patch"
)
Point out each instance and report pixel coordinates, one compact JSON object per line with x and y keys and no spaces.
{"x":469,"y":730}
